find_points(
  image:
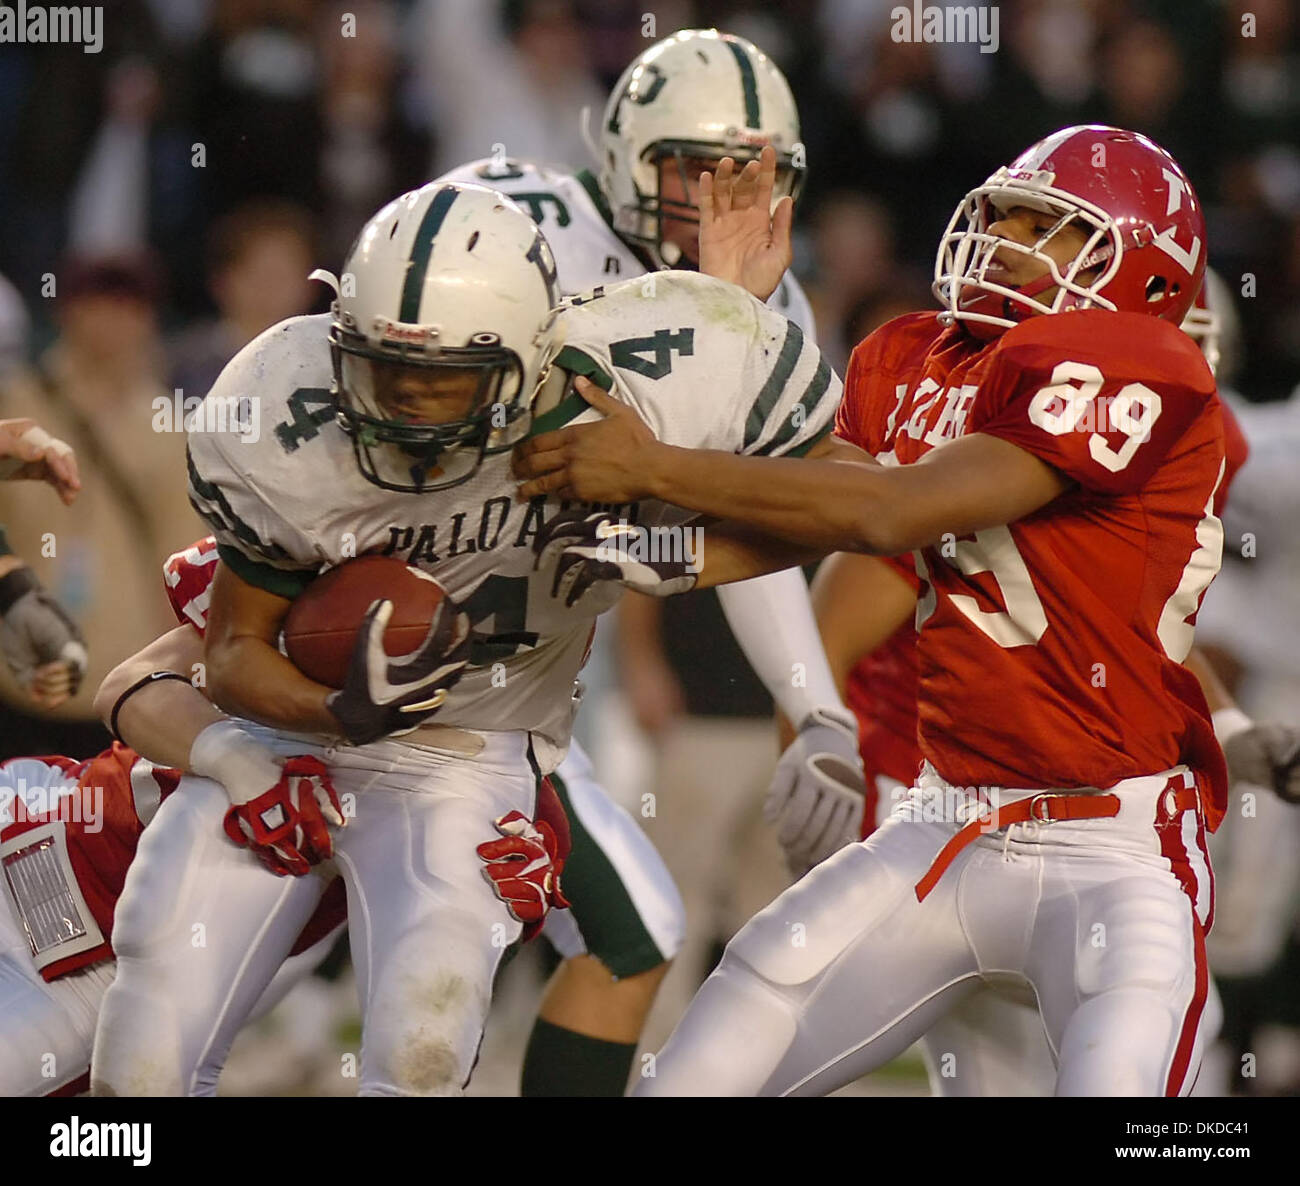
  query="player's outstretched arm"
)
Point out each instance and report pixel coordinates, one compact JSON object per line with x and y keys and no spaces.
{"x":836,"y":499}
{"x":160,"y":717}
{"x":247,"y":675}
{"x":278,"y":809}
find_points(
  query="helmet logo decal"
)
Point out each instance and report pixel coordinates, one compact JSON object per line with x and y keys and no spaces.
{"x":540,"y":254}
{"x":421,"y":250}
{"x":1165,"y":240}
{"x":1176,"y":191}
{"x":398,"y":331}
{"x":747,"y":81}
{"x":637,"y":93}
{"x":1184,"y":258}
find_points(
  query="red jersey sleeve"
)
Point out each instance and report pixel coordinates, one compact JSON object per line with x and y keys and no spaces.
{"x":1102,"y":397}
{"x":1235,"y":454}
{"x":187,"y":575}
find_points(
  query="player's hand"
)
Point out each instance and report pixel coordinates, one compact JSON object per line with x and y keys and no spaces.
{"x":286,"y":826}
{"x":28,"y":451}
{"x":42,"y":645}
{"x":279,"y":809}
{"x":593,"y":555}
{"x":741,"y":238}
{"x":383,"y":695}
{"x":524,"y":869}
{"x":610,"y":460}
{"x":1266,"y":755}
{"x":818,"y":792}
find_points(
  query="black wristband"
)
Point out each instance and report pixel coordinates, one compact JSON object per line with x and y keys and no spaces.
{"x":152,"y":677}
{"x":13,"y":585}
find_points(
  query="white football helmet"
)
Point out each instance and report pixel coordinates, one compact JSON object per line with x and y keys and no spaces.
{"x":697,"y":94}
{"x":442,"y":334}
{"x":1214,"y":325}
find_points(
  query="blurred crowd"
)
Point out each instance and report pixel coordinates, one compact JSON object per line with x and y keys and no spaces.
{"x":298,"y":118}
{"x":163,"y":201}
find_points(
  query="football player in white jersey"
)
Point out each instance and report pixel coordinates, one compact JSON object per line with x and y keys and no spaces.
{"x":681,"y":107}
{"x":390,"y":423}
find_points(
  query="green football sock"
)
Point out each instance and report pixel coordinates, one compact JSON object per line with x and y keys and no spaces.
{"x":561,"y":1062}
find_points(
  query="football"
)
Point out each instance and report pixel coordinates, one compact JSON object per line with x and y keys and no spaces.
{"x":321,"y":628}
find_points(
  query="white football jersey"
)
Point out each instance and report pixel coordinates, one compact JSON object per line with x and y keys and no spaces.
{"x":707,"y":367}
{"x":574,"y":217}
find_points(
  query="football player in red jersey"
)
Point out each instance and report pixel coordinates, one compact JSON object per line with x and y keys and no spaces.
{"x":865,"y":606}
{"x":1050,"y":446}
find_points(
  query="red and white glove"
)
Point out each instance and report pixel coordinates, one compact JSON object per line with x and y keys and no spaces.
{"x":524,"y":869}
{"x":279,"y":810}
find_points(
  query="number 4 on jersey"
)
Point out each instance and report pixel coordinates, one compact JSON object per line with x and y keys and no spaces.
{"x":629,"y":353}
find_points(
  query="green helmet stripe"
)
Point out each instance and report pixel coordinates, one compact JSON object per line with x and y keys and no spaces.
{"x":421,"y":250}
{"x":748,"y":81}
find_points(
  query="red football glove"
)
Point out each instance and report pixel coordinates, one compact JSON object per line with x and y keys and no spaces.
{"x":286,"y":827}
{"x":524,"y":869}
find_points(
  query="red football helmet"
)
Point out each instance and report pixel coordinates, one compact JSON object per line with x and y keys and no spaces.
{"x":1146,"y":242}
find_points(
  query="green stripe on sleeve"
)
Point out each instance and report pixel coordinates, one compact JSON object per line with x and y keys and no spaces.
{"x":821,"y":380}
{"x":747,"y":81}
{"x":803,"y":449}
{"x":421,"y":250}
{"x":279,"y":581}
{"x":578,"y":362}
{"x":770,"y":395}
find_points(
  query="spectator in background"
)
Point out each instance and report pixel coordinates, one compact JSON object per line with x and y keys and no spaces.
{"x":42,"y":646}
{"x":515,"y":73}
{"x":96,"y":388}
{"x":371,"y":151}
{"x":259,"y":259}
{"x":255,"y":82}
{"x":853,"y":260}
{"x":14,"y":327}
{"x":1255,"y":132}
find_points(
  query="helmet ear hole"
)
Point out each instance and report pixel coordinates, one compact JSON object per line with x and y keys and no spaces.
{"x":1156,"y":289}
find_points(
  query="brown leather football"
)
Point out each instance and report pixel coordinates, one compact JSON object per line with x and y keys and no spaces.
{"x":321,"y":627}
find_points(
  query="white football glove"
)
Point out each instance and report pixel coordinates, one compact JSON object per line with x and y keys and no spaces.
{"x":1266,"y":754}
{"x":818,"y":791}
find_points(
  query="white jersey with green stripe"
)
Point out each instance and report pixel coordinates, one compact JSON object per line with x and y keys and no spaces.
{"x":574,"y":217}
{"x":704,"y":364}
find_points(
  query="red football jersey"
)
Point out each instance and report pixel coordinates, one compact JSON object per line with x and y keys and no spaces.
{"x":125,"y":790}
{"x":1050,"y":650}
{"x":116,"y":794}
